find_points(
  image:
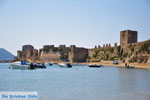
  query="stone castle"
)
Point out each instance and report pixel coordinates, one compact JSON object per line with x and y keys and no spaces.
{"x":129,"y":50}
{"x":28,"y":52}
{"x":51,"y":53}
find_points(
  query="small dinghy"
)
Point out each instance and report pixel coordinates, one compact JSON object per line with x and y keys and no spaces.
{"x":128,"y":66}
{"x":95,"y":65}
{"x":67,"y":65}
{"x":33,"y":66}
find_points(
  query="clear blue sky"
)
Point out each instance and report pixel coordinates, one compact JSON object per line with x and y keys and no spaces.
{"x":81,"y":22}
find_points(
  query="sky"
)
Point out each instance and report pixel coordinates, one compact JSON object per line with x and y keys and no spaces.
{"x":84,"y":23}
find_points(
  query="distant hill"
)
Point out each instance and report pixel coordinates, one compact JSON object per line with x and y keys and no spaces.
{"x":5,"y":55}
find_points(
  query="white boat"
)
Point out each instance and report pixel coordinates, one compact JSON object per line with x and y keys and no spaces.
{"x":65,"y":65}
{"x":18,"y":65}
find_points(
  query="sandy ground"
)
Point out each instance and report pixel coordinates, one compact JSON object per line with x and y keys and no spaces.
{"x":109,"y":63}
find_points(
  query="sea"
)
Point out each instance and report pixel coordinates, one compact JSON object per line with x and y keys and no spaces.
{"x":78,"y":83}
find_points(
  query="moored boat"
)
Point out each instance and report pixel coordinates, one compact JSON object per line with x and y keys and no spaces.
{"x":24,"y":65}
{"x":20,"y":65}
{"x":115,"y":62}
{"x":128,"y":66}
{"x":95,"y":65}
{"x":67,"y":65}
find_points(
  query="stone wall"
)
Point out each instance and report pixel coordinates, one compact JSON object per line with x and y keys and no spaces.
{"x":50,"y":56}
{"x":127,"y":37}
{"x":137,"y":52}
{"x":51,"y":53}
{"x":28,"y":52}
{"x":77,"y":54}
{"x":129,"y":50}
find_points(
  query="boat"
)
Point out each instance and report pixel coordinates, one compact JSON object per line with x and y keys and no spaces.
{"x":46,"y":64}
{"x":20,"y":65}
{"x":51,"y":64}
{"x":39,"y":65}
{"x":95,"y":65}
{"x":130,"y":67}
{"x":115,"y":62}
{"x":24,"y":65}
{"x":67,"y":65}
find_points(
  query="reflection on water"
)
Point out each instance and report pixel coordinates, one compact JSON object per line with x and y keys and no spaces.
{"x":79,"y":83}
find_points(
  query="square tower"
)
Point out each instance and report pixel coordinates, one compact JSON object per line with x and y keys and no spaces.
{"x":128,"y":36}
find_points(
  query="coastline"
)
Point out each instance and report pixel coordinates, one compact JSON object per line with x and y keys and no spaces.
{"x":122,"y":65}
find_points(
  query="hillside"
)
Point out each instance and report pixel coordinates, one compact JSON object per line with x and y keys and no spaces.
{"x":5,"y":55}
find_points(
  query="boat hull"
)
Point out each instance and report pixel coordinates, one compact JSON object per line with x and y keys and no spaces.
{"x":65,"y":65}
{"x":95,"y":66}
{"x":15,"y":66}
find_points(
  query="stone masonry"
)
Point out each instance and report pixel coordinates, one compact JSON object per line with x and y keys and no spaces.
{"x":127,"y":37}
{"x":28,"y":52}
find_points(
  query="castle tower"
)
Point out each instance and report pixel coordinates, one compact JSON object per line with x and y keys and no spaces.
{"x":127,"y":37}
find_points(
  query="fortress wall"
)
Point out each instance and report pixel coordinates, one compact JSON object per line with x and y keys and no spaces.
{"x":28,"y":52}
{"x":50,"y":56}
{"x":90,"y":53}
{"x":78,"y":54}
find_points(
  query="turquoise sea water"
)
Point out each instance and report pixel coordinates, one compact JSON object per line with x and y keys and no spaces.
{"x":78,"y":83}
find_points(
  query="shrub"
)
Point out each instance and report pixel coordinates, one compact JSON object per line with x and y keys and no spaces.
{"x":64,"y":56}
{"x":55,"y":49}
{"x":136,"y":52}
{"x":132,"y":49}
{"x":144,"y":47}
{"x":113,"y":58}
{"x":121,"y":58}
{"x":130,"y":45}
{"x":125,"y":55}
{"x":111,"y":50}
{"x":130,"y":60}
{"x":88,"y":57}
{"x":95,"y":55}
{"x":107,"y":56}
{"x":118,"y":48}
{"x":60,"y":49}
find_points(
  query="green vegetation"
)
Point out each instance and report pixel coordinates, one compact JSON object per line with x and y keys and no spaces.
{"x":55,"y":49}
{"x":107,"y":56}
{"x":95,"y":55}
{"x":64,"y":56}
{"x":130,"y":61}
{"x":118,"y":49}
{"x":113,"y":58}
{"x":136,"y":52}
{"x":132,"y":49}
{"x":130,"y":45}
{"x":121,"y":58}
{"x":68,"y":49}
{"x":111,"y":50}
{"x":88,"y":58}
{"x":134,"y":59}
{"x":125,"y":55}
{"x":60,"y":49}
{"x":145,"y":47}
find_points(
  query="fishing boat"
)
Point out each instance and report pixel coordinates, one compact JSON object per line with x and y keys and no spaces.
{"x":128,"y":66}
{"x":51,"y":64}
{"x":67,"y":65}
{"x":115,"y":62}
{"x":95,"y":65}
{"x":20,"y":65}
